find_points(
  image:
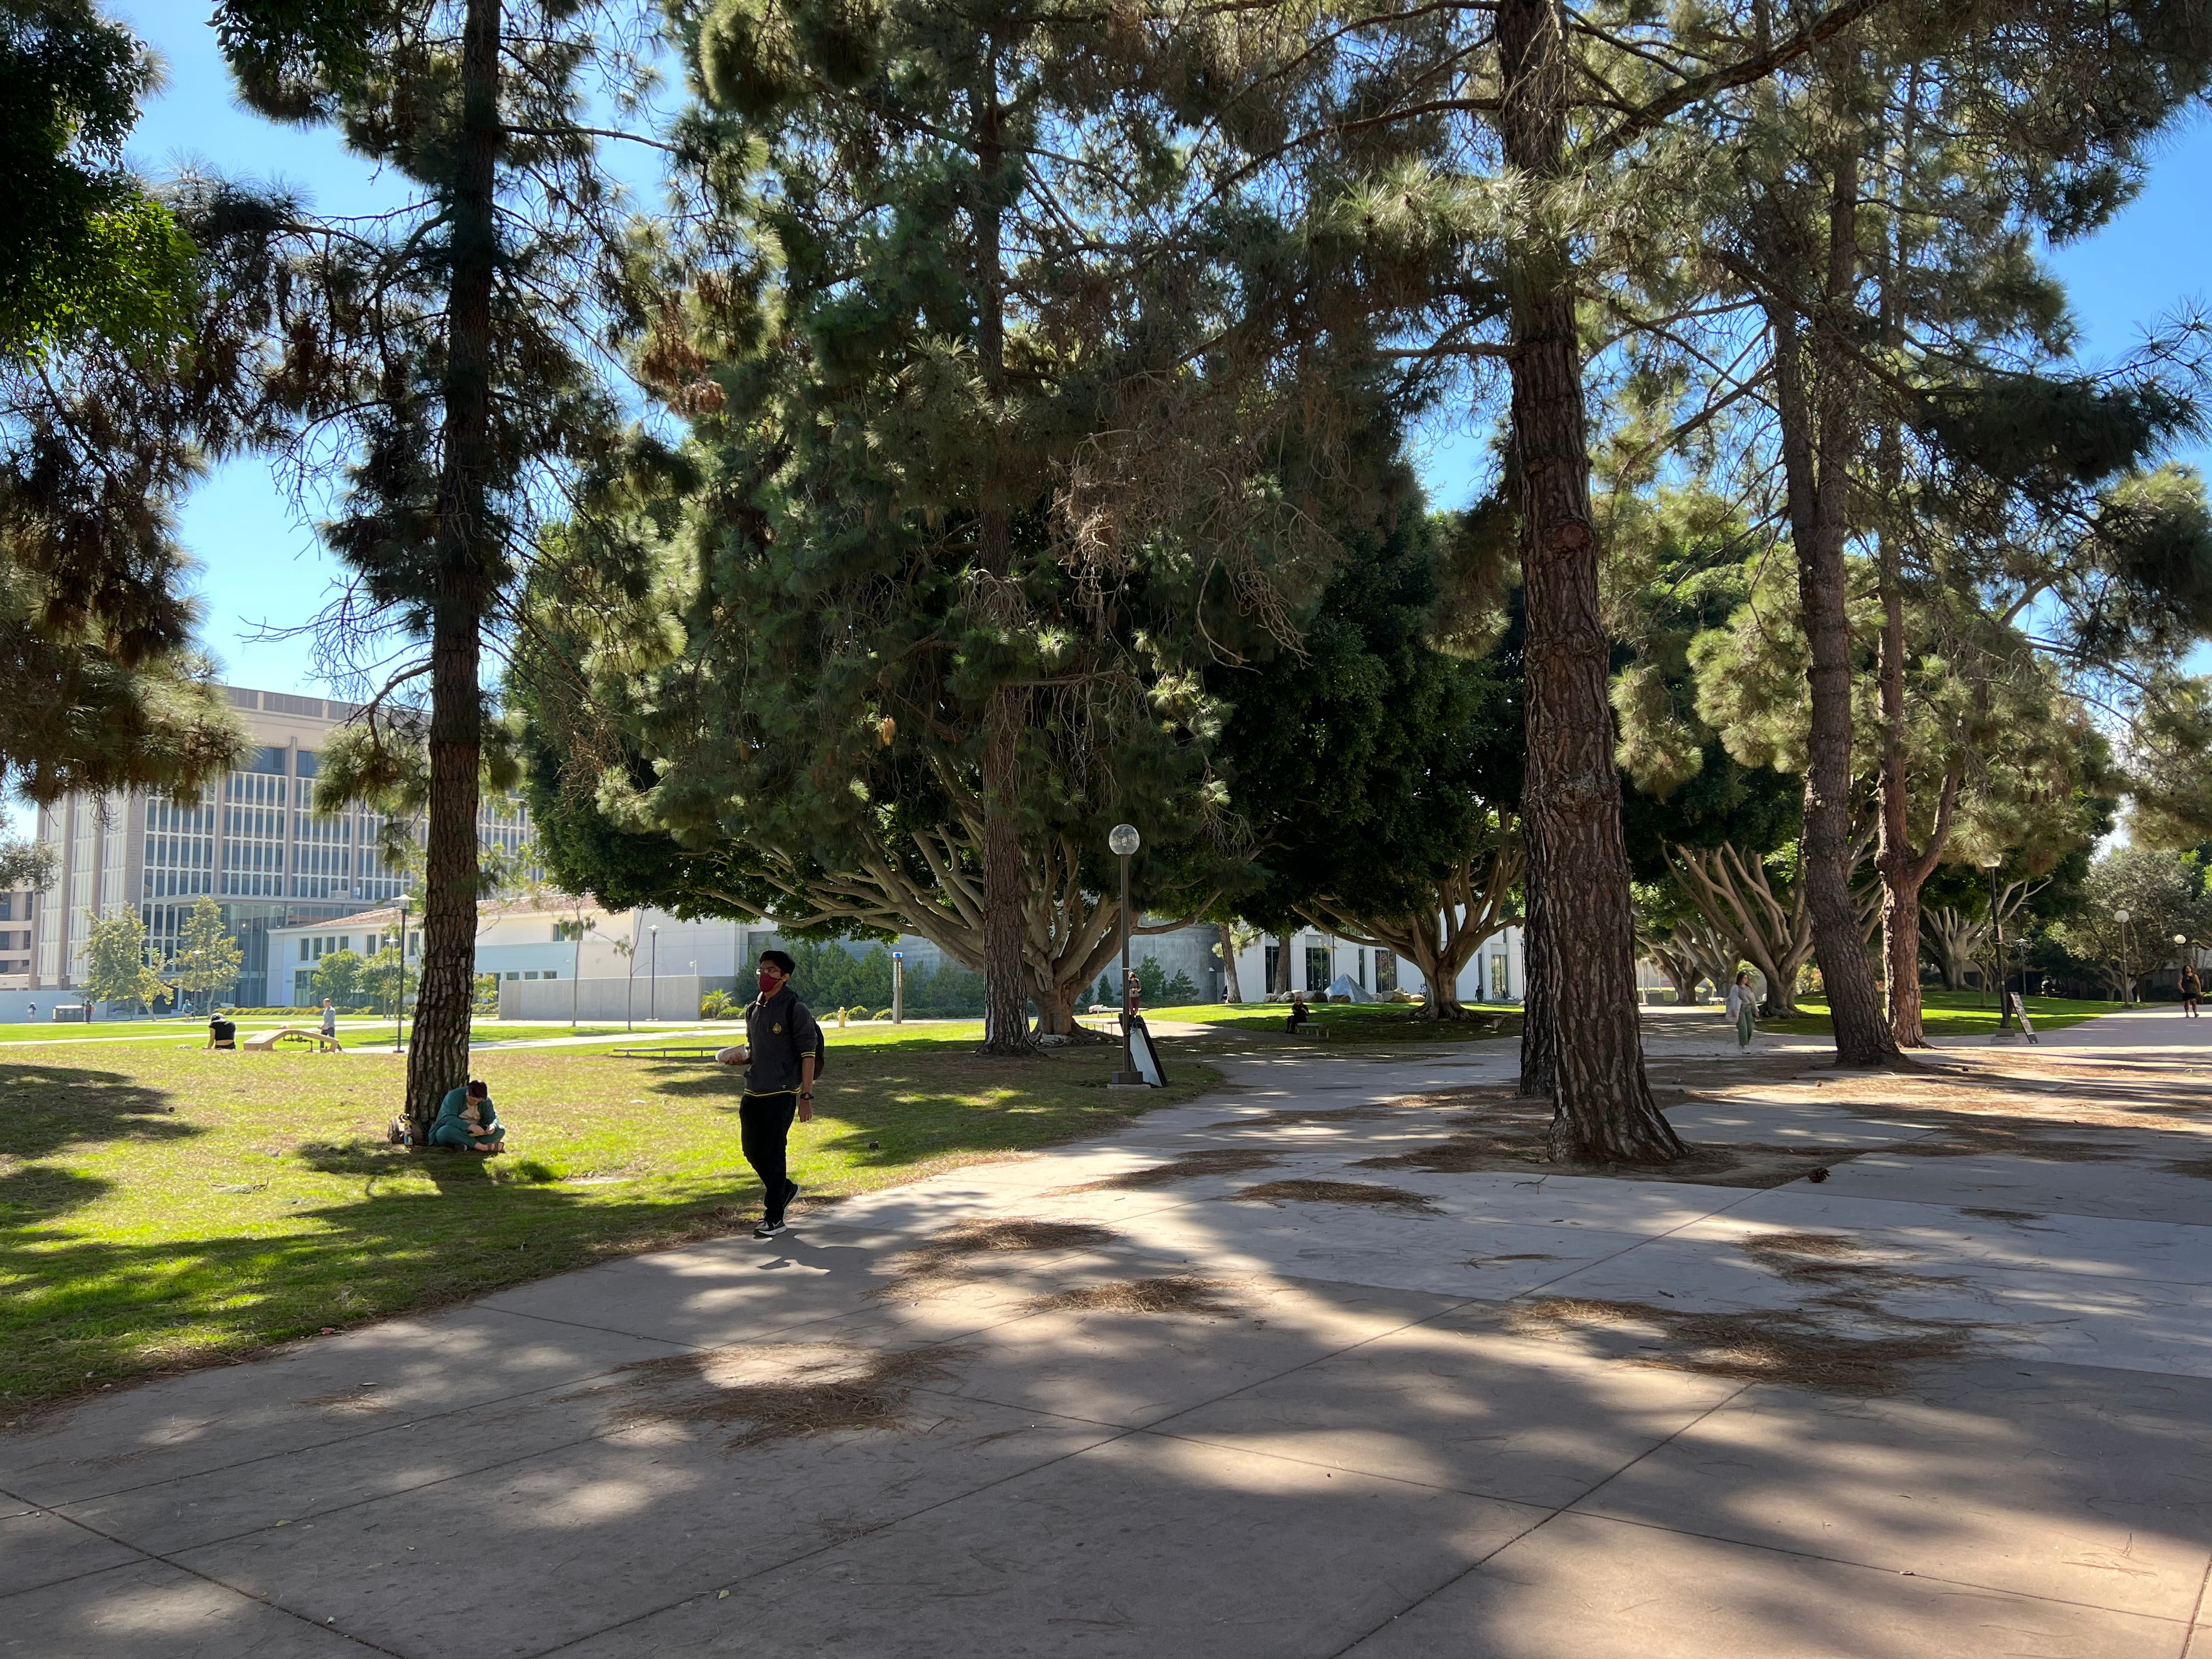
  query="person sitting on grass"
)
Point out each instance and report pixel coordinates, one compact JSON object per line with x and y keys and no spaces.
{"x":222,"y":1033}
{"x":467,"y":1119}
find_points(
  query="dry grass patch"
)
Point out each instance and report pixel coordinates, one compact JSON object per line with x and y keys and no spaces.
{"x":1336,"y":1191}
{"x":2014,"y":1140}
{"x":781,"y":1390}
{"x":1788,"y":1348}
{"x":1508,"y":1132}
{"x":1191,"y":1166}
{"x":951,"y":1254}
{"x":1180,"y":1294}
{"x":359,"y":1400}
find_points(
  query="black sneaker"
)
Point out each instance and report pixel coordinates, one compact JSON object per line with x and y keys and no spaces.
{"x":768,"y":1229}
{"x":791,"y":1197}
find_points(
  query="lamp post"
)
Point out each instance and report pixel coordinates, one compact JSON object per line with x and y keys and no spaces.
{"x":1122,"y":841}
{"x":399,"y":1002}
{"x":1997,"y":920}
{"x":652,"y":977}
{"x":898,"y":988}
{"x":2121,"y":917}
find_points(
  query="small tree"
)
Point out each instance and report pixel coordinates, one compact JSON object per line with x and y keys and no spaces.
{"x":338,"y":976}
{"x":208,"y":959}
{"x":115,"y":968}
{"x":379,"y":980}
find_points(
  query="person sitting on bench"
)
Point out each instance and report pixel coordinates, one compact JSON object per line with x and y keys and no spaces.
{"x":222,"y":1033}
{"x":1299,"y":1015}
{"x":466,"y":1119}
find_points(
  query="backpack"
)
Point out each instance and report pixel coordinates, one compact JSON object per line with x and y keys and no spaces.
{"x":821,"y":1043}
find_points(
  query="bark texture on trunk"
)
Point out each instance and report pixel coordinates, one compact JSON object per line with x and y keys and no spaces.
{"x":1282,"y":981}
{"x":438,"y":1059}
{"x":1006,"y":976}
{"x":1814,"y":386}
{"x":1580,"y":916}
{"x":1231,"y":990}
{"x":1904,"y":867}
{"x":1005,"y":980}
{"x":1540,"y":1069}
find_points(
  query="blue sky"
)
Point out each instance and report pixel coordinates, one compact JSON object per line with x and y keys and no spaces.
{"x":262,"y":567}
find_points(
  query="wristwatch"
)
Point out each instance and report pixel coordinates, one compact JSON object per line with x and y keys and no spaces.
{"x":806,"y":1094}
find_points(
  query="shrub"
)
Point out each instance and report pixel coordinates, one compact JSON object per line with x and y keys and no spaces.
{"x":859,"y":1013}
{"x":716,"y":1005}
{"x":885,"y":1013}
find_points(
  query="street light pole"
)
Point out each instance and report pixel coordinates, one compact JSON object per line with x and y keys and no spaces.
{"x":653,"y":978}
{"x":1997,"y":920}
{"x":2121,"y":917}
{"x":1124,"y":841}
{"x":898,"y":988}
{"x":399,"y":1002}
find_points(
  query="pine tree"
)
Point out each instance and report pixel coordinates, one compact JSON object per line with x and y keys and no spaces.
{"x":997,"y":446}
{"x":1877,"y":207}
{"x":449,"y":356}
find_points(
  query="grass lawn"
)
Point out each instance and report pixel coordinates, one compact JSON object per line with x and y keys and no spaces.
{"x":161,"y":1208}
{"x":1951,"y":1013}
{"x":1362,"y":1022}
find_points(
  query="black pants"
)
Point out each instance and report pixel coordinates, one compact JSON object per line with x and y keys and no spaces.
{"x":764,"y":1125}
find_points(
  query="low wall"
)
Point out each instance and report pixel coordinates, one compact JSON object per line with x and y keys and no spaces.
{"x":676,"y":996}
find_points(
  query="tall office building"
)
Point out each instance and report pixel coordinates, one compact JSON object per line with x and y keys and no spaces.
{"x":250,"y":841}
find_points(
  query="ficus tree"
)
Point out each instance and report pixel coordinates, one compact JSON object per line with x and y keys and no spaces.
{"x":1375,"y":774}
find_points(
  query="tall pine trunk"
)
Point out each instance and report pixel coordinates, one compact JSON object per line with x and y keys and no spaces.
{"x":1006,"y":978}
{"x":1818,"y":444}
{"x":1232,"y":990}
{"x":1282,"y":981}
{"x":439,"y":1059}
{"x":1539,"y":1031}
{"x":1903,"y":868}
{"x":1581,"y":917}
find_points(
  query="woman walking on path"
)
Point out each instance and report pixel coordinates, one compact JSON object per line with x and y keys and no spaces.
{"x":1742,"y":1006}
{"x":2192,"y":990}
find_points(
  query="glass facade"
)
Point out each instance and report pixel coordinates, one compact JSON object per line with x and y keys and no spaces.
{"x":251,"y":840}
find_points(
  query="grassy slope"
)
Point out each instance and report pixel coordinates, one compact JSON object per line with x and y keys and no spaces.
{"x":1951,"y":1013}
{"x":160,"y":1208}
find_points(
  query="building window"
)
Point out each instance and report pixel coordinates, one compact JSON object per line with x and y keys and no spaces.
{"x":552,"y":973}
{"x":1386,"y":973}
{"x":1317,"y":967}
{"x":1274,"y":958}
{"x":511,"y":974}
{"x":1501,"y":981}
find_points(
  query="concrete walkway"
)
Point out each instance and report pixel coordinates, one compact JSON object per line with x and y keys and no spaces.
{"x":1498,"y":1414}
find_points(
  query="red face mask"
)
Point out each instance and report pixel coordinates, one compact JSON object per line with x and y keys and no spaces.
{"x":768,"y":982}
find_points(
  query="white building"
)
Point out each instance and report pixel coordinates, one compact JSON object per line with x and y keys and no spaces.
{"x":1318,"y":957}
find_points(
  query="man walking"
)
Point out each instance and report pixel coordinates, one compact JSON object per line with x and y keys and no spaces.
{"x":781,"y":1039}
